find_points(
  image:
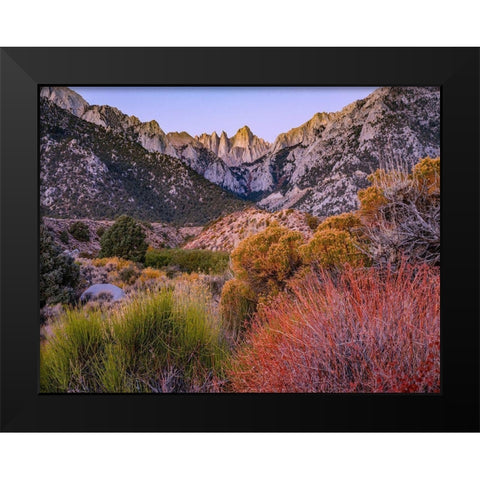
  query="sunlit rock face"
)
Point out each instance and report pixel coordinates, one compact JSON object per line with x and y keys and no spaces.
{"x":243,"y":147}
{"x":65,"y":98}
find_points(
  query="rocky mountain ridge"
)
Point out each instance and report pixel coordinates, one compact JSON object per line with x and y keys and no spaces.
{"x":243,"y":147}
{"x":317,"y":167}
{"x":204,"y":154}
{"x":90,"y":171}
{"x":320,"y":166}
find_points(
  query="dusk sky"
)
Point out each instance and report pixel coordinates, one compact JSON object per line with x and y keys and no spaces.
{"x":268,"y":111}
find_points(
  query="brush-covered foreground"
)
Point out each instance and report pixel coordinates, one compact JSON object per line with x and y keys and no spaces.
{"x":159,"y":341}
{"x":359,"y":330}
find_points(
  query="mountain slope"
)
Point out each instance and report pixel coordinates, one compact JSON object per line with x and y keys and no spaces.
{"x":158,"y":235}
{"x":194,"y":152}
{"x":91,"y":171}
{"x":320,"y":166}
{"x":226,"y":233}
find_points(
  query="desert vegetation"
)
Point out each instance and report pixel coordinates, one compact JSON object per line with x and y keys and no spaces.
{"x":358,"y":331}
{"x":160,"y":341}
{"x":354,"y":306}
{"x":205,"y":261}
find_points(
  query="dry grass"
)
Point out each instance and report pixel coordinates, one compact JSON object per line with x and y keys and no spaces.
{"x":355,"y":331}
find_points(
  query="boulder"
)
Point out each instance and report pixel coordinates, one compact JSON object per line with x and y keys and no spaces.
{"x":105,"y":291}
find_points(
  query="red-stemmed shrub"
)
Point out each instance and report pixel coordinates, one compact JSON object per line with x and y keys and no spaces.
{"x":358,"y":330}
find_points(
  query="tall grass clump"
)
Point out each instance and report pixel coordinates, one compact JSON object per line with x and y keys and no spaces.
{"x":358,"y":330}
{"x":70,"y":358}
{"x":166,"y":340}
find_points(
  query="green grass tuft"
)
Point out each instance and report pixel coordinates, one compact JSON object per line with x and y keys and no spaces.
{"x":134,"y":347}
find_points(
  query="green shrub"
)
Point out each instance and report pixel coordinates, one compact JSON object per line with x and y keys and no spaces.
{"x":59,"y":275}
{"x":79,"y":231}
{"x":203,"y":261}
{"x":64,"y":237}
{"x":147,"y":224}
{"x":129,"y":275}
{"x":100,"y":231}
{"x":124,"y":239}
{"x":162,"y":334}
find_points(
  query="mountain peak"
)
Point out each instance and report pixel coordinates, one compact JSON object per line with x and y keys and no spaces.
{"x":305,"y":133}
{"x":65,"y":98}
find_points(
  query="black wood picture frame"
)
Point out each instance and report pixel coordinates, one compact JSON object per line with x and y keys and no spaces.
{"x":455,"y":70}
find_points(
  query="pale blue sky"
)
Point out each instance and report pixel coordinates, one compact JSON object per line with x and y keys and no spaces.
{"x":268,"y":111}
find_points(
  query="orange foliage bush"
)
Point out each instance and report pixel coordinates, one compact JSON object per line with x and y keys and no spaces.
{"x":267,"y":259}
{"x":151,"y":274}
{"x":427,"y":174}
{"x":338,"y":240}
{"x":349,"y":222}
{"x":113,"y":263}
{"x":237,"y":304}
{"x":364,"y":330}
{"x":332,"y":248}
{"x":371,"y":200}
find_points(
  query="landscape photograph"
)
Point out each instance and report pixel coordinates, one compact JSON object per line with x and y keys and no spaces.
{"x":239,"y":239}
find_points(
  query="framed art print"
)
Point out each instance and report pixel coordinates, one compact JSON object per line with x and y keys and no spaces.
{"x":288,"y":247}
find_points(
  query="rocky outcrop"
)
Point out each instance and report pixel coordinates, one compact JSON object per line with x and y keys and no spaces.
{"x":304,"y":134}
{"x":66,"y":99}
{"x":104,"y":291}
{"x":243,"y":147}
